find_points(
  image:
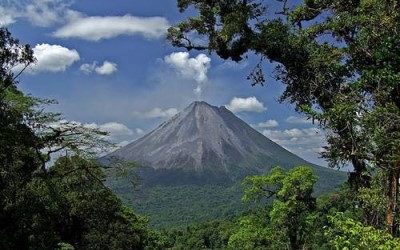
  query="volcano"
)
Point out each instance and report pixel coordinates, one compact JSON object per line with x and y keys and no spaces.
{"x":205,"y":143}
{"x":192,"y":166}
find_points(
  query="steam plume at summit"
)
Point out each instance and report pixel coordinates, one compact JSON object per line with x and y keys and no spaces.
{"x":195,"y":68}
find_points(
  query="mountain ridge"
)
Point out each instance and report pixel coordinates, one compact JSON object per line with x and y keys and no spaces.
{"x":205,"y":139}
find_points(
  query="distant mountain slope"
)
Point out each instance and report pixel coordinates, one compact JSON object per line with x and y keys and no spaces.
{"x":204,"y":139}
{"x":192,"y":166}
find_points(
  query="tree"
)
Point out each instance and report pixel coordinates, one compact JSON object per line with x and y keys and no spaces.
{"x":345,"y":233}
{"x":90,"y":215}
{"x":254,"y":232}
{"x":63,"y":206}
{"x":339,"y":61}
{"x":207,"y":235}
{"x":18,"y":158}
{"x":292,"y":210}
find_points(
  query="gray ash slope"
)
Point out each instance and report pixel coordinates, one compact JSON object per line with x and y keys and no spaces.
{"x":206,"y":143}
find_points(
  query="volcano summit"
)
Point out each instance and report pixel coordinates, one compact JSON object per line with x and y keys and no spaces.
{"x":204,"y":143}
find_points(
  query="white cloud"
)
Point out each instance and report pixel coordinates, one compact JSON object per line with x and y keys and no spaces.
{"x":195,"y":67}
{"x":157,"y":113}
{"x":96,"y":28}
{"x":160,"y":113}
{"x":192,"y":68}
{"x":233,"y":65}
{"x":7,"y":16}
{"x":117,"y":132}
{"x":292,"y":134}
{"x":51,"y":58}
{"x":116,"y":129}
{"x":107,"y":68}
{"x":306,"y":142}
{"x":43,"y":13}
{"x":249,"y":104}
{"x":267,"y":124}
{"x":139,"y":131}
{"x":297,"y":120}
{"x":123,"y":144}
{"x":88,"y":68}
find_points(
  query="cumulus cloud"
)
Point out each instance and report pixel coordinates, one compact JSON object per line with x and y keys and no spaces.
{"x":139,"y":131}
{"x":306,"y":142}
{"x":195,"y":67}
{"x":115,"y":129}
{"x":88,"y":68}
{"x":118,"y":133}
{"x":297,"y":120}
{"x":190,"y":67}
{"x":249,"y":104}
{"x":293,"y":134}
{"x":7,"y":16}
{"x":157,"y":113}
{"x":267,"y":124}
{"x":233,"y":65}
{"x":95,"y":28}
{"x":42,"y":13}
{"x":45,"y":13}
{"x":51,"y":58}
{"x":107,"y":68}
{"x":160,"y":113}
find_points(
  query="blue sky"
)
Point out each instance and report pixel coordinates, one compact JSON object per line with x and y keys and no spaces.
{"x":108,"y":63}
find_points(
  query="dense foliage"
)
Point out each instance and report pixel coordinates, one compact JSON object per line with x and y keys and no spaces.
{"x":293,"y":204}
{"x":176,"y":200}
{"x":206,"y":235}
{"x":177,"y":206}
{"x":293,"y":220}
{"x":65,"y":206}
{"x":74,"y":207}
{"x":168,"y":206}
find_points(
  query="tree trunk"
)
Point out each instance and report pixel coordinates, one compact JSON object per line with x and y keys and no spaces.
{"x":294,"y":244}
{"x":359,"y":177}
{"x":392,"y":194}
